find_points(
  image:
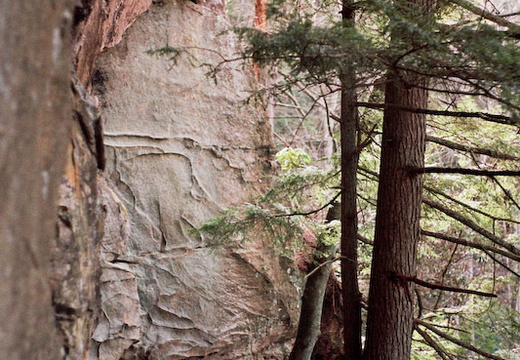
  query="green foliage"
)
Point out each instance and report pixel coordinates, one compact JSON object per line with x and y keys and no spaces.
{"x":317,"y":49}
{"x":312,"y":52}
{"x":237,"y":225}
{"x":328,"y":234}
{"x":280,"y":214}
{"x":291,"y":159}
{"x":493,"y":329}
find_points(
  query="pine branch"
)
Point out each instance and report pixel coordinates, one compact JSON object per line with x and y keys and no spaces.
{"x":471,"y":244}
{"x":457,"y":341}
{"x":298,"y":213}
{"x":463,"y":171}
{"x":435,"y":286}
{"x":471,"y":149}
{"x":500,"y":119}
{"x":472,"y":225}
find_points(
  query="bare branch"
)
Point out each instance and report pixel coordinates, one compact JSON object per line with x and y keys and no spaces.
{"x":297,"y":213}
{"x":510,"y":14}
{"x":286,"y":144}
{"x":471,"y":244}
{"x":514,"y":253}
{"x":471,"y":149}
{"x":435,"y":286}
{"x":444,"y":272}
{"x":482,"y":91}
{"x":457,"y":341}
{"x":432,"y":343}
{"x":315,"y":98}
{"x":462,"y":171}
{"x":500,"y":119}
{"x":502,"y":264}
{"x":419,"y":303}
{"x":497,"y":19}
{"x":323,"y":264}
{"x":472,"y":225}
{"x":365,"y":240}
{"x":493,"y":217}
{"x":506,"y":192}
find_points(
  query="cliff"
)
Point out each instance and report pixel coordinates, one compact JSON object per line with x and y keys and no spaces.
{"x":156,"y":148}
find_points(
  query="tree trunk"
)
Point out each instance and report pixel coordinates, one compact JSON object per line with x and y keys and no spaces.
{"x":349,"y":223}
{"x":312,"y":304}
{"x":390,"y":318}
{"x":390,"y":303}
{"x":313,"y":295}
{"x":35,"y":109}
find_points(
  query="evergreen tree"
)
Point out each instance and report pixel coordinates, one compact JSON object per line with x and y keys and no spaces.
{"x":423,"y":54}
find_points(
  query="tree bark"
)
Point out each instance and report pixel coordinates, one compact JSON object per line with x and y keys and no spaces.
{"x":390,"y":319}
{"x":397,"y":229}
{"x":312,"y":304}
{"x":35,"y":109}
{"x":349,"y":222}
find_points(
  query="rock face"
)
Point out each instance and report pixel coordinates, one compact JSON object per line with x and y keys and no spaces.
{"x":75,"y":259}
{"x":180,"y":147}
{"x":99,"y":25}
{"x":130,"y":279}
{"x":92,"y":225}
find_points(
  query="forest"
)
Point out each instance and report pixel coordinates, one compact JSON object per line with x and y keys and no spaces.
{"x":260,"y":179}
